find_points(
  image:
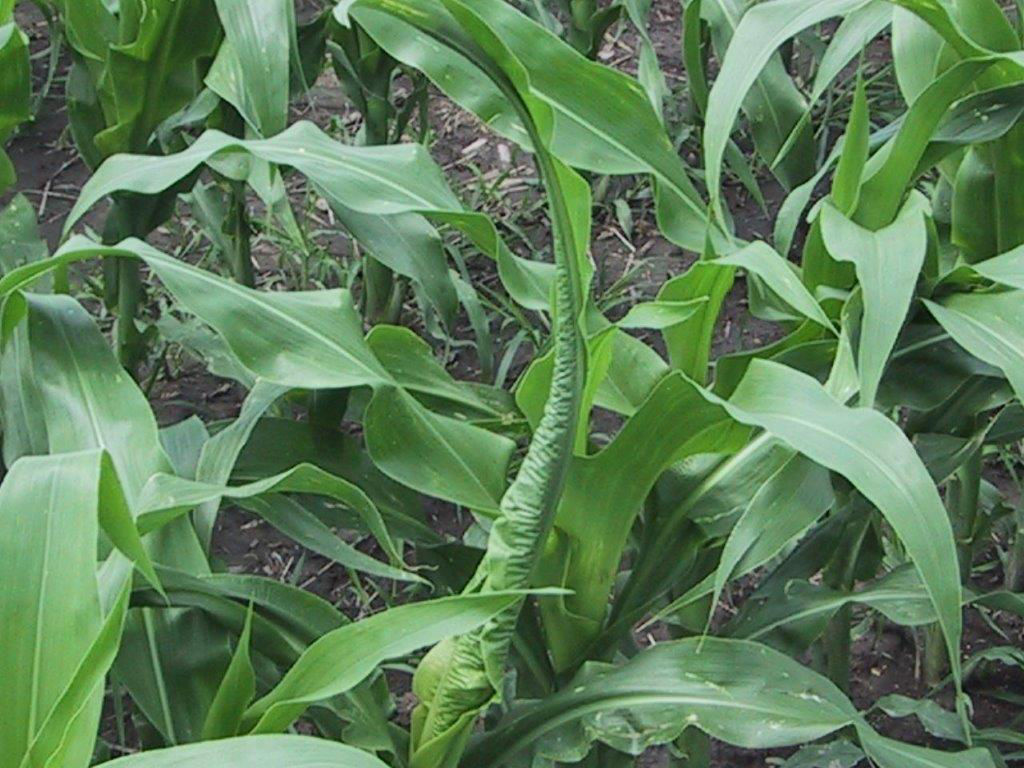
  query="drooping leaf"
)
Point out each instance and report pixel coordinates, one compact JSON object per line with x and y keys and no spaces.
{"x":786,"y":506}
{"x":761,"y":31}
{"x":761,"y":260}
{"x":774,"y":107}
{"x":989,"y":326}
{"x":416,"y":448}
{"x":597,"y":118}
{"x":341,"y":659}
{"x":166,"y":498}
{"x":218,"y":454}
{"x":740,"y":692}
{"x":380,"y":181}
{"x":873,"y":454}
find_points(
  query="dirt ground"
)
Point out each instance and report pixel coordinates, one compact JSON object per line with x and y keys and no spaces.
{"x":51,"y":174}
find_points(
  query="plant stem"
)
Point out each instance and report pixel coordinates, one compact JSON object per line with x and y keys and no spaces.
{"x":528,"y":508}
{"x":241,"y":233}
{"x":837,"y":648}
{"x":962,"y":502}
{"x":841,"y":575}
{"x":130,"y":344}
{"x":380,"y":302}
{"x":1015,"y":560}
{"x":936,"y":658}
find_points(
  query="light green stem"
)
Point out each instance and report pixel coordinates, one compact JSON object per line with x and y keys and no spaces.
{"x":475,"y":669}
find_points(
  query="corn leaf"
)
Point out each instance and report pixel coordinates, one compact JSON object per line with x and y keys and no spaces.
{"x":253,"y":752}
{"x":167,"y":497}
{"x":760,"y":259}
{"x":58,"y":642}
{"x":597,"y":118}
{"x":343,"y":658}
{"x":739,"y":692}
{"x":236,"y":690}
{"x":888,"y":264}
{"x":760,"y":32}
{"x":990,"y":327}
{"x":252,"y":68}
{"x":873,"y":454}
{"x":384,"y":180}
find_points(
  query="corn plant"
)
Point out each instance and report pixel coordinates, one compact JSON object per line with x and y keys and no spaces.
{"x":15,"y":85}
{"x":918,"y":269}
{"x":843,"y":462}
{"x":145,"y":71}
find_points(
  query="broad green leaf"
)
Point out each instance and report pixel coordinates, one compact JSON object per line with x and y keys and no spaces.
{"x":873,"y":454}
{"x":167,"y":497}
{"x":381,"y":181}
{"x":603,"y":494}
{"x":857,"y":29}
{"x":1006,"y":268}
{"x":936,"y":720}
{"x":779,"y":275}
{"x":253,"y":752}
{"x":660,"y":315}
{"x":899,"y":596}
{"x":916,"y":49}
{"x":985,"y":22}
{"x":219,"y":453}
{"x":711,"y":492}
{"x":856,"y":145}
{"x":277,"y":443}
{"x":892,"y":170}
{"x":314,"y":340}
{"x":51,"y":614}
{"x":151,"y":68}
{"x":411,"y":362}
{"x":596,"y":118}
{"x":730,"y":368}
{"x":340,"y":660}
{"x":89,"y":402}
{"x":307,"y":339}
{"x":622,"y":385}
{"x":740,"y":489}
{"x":774,"y":106}
{"x":888,"y":264}
{"x":689,"y":343}
{"x":759,"y":34}
{"x":298,"y":612}
{"x":251,"y":70}
{"x":408,"y":245}
{"x":15,"y":89}
{"x":895,"y":754}
{"x":183,"y":443}
{"x":693,"y":55}
{"x":782,"y":509}
{"x":988,"y":325}
{"x":740,"y":692}
{"x":59,"y":740}
{"x":436,"y":455}
{"x":19,"y":234}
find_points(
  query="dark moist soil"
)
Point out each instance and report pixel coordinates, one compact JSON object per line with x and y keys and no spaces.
{"x":51,"y":175}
